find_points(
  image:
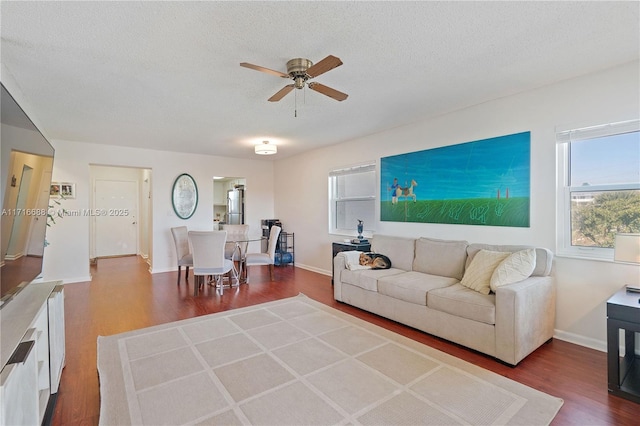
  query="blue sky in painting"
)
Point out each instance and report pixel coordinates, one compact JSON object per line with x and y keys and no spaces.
{"x":469,"y":170}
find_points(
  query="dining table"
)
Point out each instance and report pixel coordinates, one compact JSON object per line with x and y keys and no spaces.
{"x":239,"y":241}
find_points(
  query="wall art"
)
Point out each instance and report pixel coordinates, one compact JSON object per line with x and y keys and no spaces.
{"x":484,"y":182}
{"x":62,"y":190}
{"x":184,"y":196}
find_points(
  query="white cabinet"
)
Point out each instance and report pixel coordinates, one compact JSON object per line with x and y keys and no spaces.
{"x":234,"y":183}
{"x":56,"y":335}
{"x":41,"y":331}
{"x":32,"y":352}
{"x":219,"y":194}
{"x":19,"y":387}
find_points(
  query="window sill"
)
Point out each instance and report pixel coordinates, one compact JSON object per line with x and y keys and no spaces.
{"x":576,"y":256}
{"x":342,"y":233}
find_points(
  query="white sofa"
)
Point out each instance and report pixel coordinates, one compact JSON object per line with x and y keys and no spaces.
{"x":423,"y":290}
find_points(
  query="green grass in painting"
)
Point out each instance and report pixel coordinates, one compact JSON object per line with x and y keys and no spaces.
{"x":474,"y":211}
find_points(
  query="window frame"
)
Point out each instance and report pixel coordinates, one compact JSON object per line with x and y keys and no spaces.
{"x":564,"y":137}
{"x":364,"y":167}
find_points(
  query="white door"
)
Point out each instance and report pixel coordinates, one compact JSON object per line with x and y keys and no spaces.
{"x":39,"y":222}
{"x":18,"y":239}
{"x":116,"y":213}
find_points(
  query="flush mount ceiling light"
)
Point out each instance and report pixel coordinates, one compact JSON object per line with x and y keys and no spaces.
{"x":266,"y":149}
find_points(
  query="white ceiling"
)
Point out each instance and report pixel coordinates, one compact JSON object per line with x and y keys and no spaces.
{"x":166,"y":75}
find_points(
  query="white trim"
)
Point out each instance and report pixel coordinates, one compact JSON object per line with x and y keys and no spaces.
{"x":597,"y":131}
{"x":600,"y":188}
{"x":369,"y":166}
{"x":599,"y":345}
{"x":313,"y":269}
{"x":162,"y":270}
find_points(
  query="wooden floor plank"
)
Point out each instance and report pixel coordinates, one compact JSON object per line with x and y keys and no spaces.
{"x":124,"y":296}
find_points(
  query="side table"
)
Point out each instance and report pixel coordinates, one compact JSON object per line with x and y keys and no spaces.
{"x":623,"y":313}
{"x":338,"y":247}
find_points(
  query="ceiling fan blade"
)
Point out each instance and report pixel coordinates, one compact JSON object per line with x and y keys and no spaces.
{"x":327,"y":64}
{"x":263,"y":69}
{"x":281,"y":93}
{"x":328,"y":91}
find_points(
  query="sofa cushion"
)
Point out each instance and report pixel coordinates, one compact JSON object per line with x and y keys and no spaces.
{"x":367,"y":278}
{"x":400,"y":250}
{"x":440,"y":257}
{"x":412,"y":286}
{"x":516,"y":267}
{"x":463,"y":302}
{"x":544,"y":257}
{"x":478,"y":275}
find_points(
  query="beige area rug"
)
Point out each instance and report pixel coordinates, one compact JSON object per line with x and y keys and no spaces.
{"x":298,"y":362}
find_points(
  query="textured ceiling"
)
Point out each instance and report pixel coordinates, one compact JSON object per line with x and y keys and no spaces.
{"x":166,"y":75}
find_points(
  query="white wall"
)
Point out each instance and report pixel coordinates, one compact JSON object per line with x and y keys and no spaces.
{"x":583,"y":286}
{"x":67,"y":256}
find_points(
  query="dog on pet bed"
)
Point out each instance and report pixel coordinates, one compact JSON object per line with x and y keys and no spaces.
{"x":375,"y":260}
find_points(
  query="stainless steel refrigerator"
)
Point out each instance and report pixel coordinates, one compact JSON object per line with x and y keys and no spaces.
{"x":235,"y":206}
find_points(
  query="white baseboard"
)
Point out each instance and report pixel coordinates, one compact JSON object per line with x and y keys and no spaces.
{"x":13,"y":256}
{"x":599,"y":345}
{"x":313,"y":269}
{"x":161,"y":270}
{"x":297,"y":265}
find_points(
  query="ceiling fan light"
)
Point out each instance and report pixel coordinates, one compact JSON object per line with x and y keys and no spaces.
{"x":265,"y":148}
{"x":299,"y":82}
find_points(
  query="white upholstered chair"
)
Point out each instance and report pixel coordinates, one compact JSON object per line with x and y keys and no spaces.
{"x":208,"y":259}
{"x":183,"y":252}
{"x":235,"y":233}
{"x":268,"y":258}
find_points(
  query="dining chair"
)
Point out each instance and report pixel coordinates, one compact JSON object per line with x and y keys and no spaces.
{"x":235,"y":235}
{"x":268,"y":258}
{"x":183,"y":253}
{"x":208,"y":259}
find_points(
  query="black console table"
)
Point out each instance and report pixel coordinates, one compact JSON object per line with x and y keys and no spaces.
{"x":623,"y":313}
{"x":344,"y":246}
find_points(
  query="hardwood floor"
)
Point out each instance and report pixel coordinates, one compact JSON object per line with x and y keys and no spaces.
{"x":123,"y":296}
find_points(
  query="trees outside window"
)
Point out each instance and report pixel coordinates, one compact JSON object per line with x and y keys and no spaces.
{"x":596,"y":223}
{"x":599,"y":168}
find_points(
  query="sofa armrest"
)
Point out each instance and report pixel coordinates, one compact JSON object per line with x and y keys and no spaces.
{"x":339,"y":265}
{"x":525,"y":317}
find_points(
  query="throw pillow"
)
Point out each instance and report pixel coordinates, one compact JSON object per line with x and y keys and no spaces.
{"x":478,"y":276}
{"x":516,"y":267}
{"x":444,"y":258}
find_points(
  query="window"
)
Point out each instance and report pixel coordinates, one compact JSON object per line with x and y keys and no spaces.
{"x":599,"y":170}
{"x":352,"y":197}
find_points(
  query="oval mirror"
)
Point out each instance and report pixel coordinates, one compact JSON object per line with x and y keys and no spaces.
{"x":184,"y":196}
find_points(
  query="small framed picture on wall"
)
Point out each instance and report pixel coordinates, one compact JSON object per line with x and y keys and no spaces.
{"x":55,"y":189}
{"x":63,"y":190}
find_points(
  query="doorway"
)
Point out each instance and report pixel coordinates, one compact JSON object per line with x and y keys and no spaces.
{"x":224,"y":210}
{"x":39,"y":223}
{"x":120,"y":214}
{"x":17,"y":240}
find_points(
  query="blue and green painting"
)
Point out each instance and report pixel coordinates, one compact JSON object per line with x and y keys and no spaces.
{"x":484,"y":182}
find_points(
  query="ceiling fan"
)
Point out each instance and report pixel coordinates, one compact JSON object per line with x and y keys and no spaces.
{"x":302,"y":70}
